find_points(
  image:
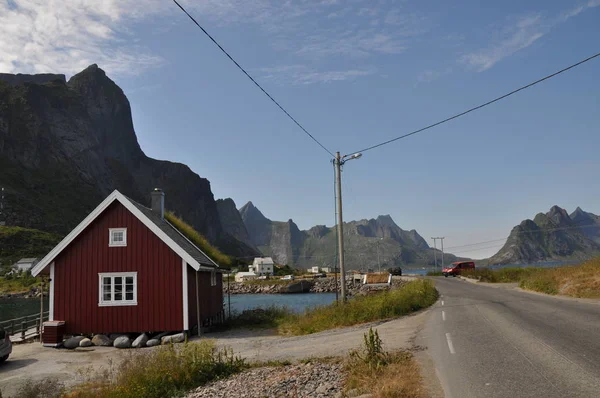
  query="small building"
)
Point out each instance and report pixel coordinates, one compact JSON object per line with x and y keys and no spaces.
{"x":245,"y":276}
{"x":126,"y":269}
{"x":262,"y":266}
{"x":327,"y":270}
{"x":314,"y":270}
{"x":25,"y":264}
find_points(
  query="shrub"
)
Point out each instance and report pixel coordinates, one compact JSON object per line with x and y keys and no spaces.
{"x":270,"y":317}
{"x":165,"y":372}
{"x":46,"y":388}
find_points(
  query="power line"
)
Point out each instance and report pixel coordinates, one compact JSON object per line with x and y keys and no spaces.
{"x":252,"y":79}
{"x":480,"y":106}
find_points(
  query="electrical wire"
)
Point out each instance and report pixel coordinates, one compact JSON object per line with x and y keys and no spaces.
{"x":480,"y":106}
{"x":252,"y":79}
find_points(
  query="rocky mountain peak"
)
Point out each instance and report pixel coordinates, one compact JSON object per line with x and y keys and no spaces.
{"x":559,"y":216}
{"x":386,"y":220}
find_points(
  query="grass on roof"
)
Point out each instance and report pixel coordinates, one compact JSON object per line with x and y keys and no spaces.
{"x":203,"y":244}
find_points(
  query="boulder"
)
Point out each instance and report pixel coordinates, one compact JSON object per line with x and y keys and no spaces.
{"x":101,"y":340}
{"x":122,"y":342}
{"x":73,"y":342}
{"x":85,"y":343}
{"x":152,"y":343}
{"x":114,"y":336}
{"x":140,"y":341}
{"x":174,"y":338}
{"x":160,"y":335}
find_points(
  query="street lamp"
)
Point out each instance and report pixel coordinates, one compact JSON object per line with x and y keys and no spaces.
{"x":338,"y":162}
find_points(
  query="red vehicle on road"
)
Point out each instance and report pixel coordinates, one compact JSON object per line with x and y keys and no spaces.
{"x":457,"y":267}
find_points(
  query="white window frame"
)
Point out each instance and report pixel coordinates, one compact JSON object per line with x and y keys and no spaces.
{"x":213,"y":278}
{"x":112,"y":302}
{"x":112,"y":243}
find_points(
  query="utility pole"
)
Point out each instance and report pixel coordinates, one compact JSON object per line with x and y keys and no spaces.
{"x":340,"y":220}
{"x":434,"y":255}
{"x":434,"y":249}
{"x":442,"y":239}
{"x":338,"y":162}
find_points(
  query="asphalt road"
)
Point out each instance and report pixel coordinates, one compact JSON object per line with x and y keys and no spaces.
{"x":497,"y":342}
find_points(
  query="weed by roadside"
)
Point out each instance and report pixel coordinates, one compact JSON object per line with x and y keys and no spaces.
{"x":46,"y":388}
{"x":383,"y":374}
{"x":435,"y":273}
{"x":166,"y":372}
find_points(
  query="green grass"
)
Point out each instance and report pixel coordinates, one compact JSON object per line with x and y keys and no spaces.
{"x":215,"y":254}
{"x":259,"y":318}
{"x":17,"y":243}
{"x":168,"y":371}
{"x":409,"y":298}
{"x":23,"y":282}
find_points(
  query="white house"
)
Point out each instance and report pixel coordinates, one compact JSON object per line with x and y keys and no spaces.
{"x":313,"y":270}
{"x":245,"y":276}
{"x":25,"y":264}
{"x":262,"y":266}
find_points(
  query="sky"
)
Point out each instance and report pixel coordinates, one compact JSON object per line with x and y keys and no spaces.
{"x":354,"y":73}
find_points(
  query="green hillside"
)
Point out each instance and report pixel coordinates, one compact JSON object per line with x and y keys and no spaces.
{"x":17,"y":243}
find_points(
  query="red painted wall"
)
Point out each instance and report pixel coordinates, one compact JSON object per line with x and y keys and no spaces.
{"x":159,"y":278}
{"x":211,"y":297}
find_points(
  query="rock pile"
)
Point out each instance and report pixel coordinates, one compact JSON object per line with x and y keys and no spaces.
{"x":124,"y":340}
{"x":318,"y":380}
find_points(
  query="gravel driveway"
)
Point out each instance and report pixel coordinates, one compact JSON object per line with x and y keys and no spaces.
{"x":31,"y":362}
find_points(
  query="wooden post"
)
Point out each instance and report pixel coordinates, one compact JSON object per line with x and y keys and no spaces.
{"x":23,"y":328}
{"x":198,"y":307}
{"x":41,"y":307}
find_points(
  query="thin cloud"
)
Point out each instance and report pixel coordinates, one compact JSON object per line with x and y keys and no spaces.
{"x":519,"y":34}
{"x":302,"y":75}
{"x":66,"y":36}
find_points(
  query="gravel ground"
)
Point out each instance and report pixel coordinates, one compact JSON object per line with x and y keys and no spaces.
{"x":315,"y":380}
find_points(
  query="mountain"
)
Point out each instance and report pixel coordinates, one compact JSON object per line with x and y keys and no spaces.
{"x":588,"y":222}
{"x":232,"y":222}
{"x":554,"y":235}
{"x":65,"y":145}
{"x":368,"y":243}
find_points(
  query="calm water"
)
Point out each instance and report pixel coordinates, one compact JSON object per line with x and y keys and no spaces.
{"x":18,"y":307}
{"x":295,"y":302}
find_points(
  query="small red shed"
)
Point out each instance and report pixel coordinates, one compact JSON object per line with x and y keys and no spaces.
{"x":126,"y":269}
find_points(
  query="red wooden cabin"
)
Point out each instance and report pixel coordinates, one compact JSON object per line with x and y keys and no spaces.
{"x":126,"y":269}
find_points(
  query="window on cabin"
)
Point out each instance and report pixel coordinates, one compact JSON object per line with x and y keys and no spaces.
{"x":117,"y":236}
{"x":118,"y":288}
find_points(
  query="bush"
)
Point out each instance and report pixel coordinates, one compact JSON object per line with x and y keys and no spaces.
{"x":409,"y":298}
{"x":165,"y":372}
{"x":435,"y":273}
{"x":46,"y":388}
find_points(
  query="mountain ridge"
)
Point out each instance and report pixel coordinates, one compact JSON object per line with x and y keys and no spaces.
{"x":65,"y":145}
{"x":368,"y":242}
{"x":551,"y":236}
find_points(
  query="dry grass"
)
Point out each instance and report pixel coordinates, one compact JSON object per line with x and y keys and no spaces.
{"x":199,"y":240}
{"x":383,"y":374}
{"x":581,"y":281}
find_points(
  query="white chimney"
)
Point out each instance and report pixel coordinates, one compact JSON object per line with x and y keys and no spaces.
{"x":158,"y":202}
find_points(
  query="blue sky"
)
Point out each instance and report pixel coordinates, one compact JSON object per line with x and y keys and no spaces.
{"x":354,"y":73}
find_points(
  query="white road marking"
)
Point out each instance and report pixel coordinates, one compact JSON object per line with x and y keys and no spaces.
{"x":443,"y":315}
{"x":450,"y":345}
{"x":442,"y":302}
